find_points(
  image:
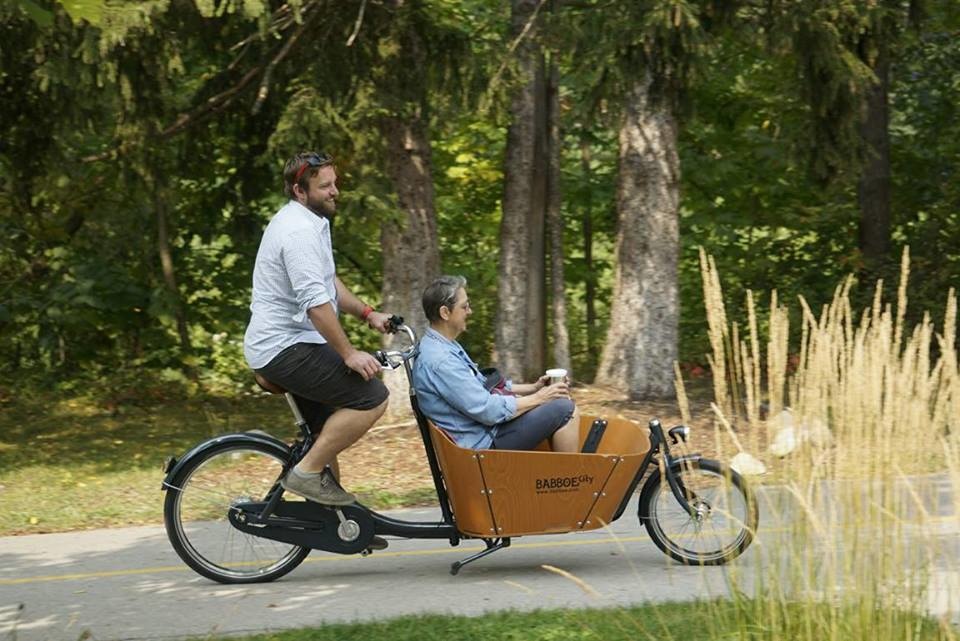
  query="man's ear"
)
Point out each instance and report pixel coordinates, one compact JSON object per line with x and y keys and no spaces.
{"x":444,"y":312}
{"x":298,"y":193}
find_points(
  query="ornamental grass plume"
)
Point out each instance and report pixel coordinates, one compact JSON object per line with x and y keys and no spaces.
{"x":857,"y":514}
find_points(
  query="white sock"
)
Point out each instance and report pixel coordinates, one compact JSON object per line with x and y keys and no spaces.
{"x":299,"y":472}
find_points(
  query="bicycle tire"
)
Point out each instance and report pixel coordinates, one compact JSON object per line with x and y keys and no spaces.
{"x":197,"y":504}
{"x":727,"y":514}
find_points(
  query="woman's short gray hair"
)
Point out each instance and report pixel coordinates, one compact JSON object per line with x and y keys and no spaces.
{"x":442,"y":292}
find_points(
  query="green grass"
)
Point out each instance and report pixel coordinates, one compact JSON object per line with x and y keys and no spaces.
{"x":696,"y":621}
{"x":81,"y":462}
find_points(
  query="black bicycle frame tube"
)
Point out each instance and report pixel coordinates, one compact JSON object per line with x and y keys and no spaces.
{"x":625,"y":501}
{"x":656,"y":429}
{"x":413,"y":529}
{"x":384,"y":524}
{"x":657,"y":441}
{"x":431,"y":459}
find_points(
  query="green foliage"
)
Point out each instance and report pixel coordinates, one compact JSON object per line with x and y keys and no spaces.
{"x":468,"y":191}
{"x":824,"y":36}
{"x":588,"y":180}
{"x":113,"y":111}
{"x":924,"y":130}
{"x":747,"y":198}
{"x":40,"y":16}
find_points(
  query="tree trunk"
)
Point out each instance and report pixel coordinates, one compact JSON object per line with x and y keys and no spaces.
{"x":873,"y":185}
{"x":410,"y":255}
{"x":520,"y":328}
{"x":590,"y":297}
{"x":641,"y":344}
{"x":535,"y":358}
{"x":554,"y":219}
{"x":166,"y":265}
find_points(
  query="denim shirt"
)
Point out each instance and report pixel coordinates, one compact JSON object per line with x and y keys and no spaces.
{"x":451,"y":393}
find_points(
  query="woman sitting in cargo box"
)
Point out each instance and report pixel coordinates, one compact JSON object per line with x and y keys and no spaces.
{"x":454,"y":394}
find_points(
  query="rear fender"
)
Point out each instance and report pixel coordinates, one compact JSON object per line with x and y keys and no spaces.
{"x":175,"y":465}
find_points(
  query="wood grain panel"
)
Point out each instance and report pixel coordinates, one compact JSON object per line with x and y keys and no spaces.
{"x":461,"y":475}
{"x":512,"y":493}
{"x":610,"y":497}
{"x":542,"y":492}
{"x":631,"y":442}
{"x":621,"y":436}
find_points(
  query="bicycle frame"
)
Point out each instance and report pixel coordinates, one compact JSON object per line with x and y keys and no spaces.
{"x":311,"y":525}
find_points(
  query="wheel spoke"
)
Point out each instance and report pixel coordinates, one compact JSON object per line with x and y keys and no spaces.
{"x":197,"y":513}
{"x":724,"y":517}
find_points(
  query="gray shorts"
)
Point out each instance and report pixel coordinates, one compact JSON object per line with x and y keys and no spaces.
{"x":321,"y":382}
{"x":528,"y":429}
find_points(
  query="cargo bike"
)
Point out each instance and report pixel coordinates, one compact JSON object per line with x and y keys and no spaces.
{"x":229,"y":519}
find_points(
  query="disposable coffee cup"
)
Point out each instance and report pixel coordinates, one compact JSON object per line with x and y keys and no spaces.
{"x":558,"y":375}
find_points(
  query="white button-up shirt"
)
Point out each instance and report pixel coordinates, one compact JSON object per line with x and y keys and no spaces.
{"x":294,"y":272}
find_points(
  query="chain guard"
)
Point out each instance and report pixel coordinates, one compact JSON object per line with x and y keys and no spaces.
{"x":306,"y":524}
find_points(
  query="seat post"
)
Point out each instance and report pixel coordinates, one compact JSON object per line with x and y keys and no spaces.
{"x":297,"y":416}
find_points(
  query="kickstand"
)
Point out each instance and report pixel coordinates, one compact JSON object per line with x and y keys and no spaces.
{"x":492,"y":546}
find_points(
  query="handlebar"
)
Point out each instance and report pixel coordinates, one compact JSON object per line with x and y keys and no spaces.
{"x":392,"y":359}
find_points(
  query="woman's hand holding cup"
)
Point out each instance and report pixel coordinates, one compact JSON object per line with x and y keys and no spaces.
{"x":552,"y":392}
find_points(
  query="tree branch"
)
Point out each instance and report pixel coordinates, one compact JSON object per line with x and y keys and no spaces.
{"x":495,"y":80}
{"x":223,"y":99}
{"x":264,"y":90}
{"x":281,"y":21}
{"x":356,"y":27}
{"x":220,"y":100}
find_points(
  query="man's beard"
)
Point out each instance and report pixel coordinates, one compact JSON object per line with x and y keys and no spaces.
{"x":325,"y":207}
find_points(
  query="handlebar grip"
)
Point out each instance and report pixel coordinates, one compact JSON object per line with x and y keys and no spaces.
{"x":394,"y":323}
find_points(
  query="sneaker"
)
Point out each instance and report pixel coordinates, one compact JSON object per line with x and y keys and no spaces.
{"x":377,"y":543}
{"x":320,"y":487}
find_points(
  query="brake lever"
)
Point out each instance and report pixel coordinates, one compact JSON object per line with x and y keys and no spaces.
{"x":385,"y":363}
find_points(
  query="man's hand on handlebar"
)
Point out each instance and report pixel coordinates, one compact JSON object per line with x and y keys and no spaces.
{"x":363,"y":364}
{"x":380,"y":322}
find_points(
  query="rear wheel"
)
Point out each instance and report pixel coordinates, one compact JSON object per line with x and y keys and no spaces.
{"x":197,"y":506}
{"x":725,"y":514}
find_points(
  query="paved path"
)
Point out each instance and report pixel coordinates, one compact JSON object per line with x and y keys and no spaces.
{"x":129,"y":584}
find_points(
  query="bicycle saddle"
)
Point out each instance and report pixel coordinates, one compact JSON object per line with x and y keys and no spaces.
{"x":267,"y":385}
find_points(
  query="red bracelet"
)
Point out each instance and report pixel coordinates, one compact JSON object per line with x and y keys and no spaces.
{"x":367,"y":310}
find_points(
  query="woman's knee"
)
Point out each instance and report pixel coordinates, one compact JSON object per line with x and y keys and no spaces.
{"x":564,"y":408}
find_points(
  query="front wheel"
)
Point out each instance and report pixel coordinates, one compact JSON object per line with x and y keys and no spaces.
{"x":198,"y":502}
{"x":725,"y":514}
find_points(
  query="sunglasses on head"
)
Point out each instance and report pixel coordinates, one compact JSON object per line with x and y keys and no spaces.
{"x":312,"y":160}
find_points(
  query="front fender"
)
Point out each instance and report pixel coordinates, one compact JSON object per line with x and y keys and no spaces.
{"x":175,"y":465}
{"x":696,"y":456}
{"x":654,"y":478}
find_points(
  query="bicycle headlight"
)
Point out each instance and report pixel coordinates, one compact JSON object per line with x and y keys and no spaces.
{"x":679,"y":433}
